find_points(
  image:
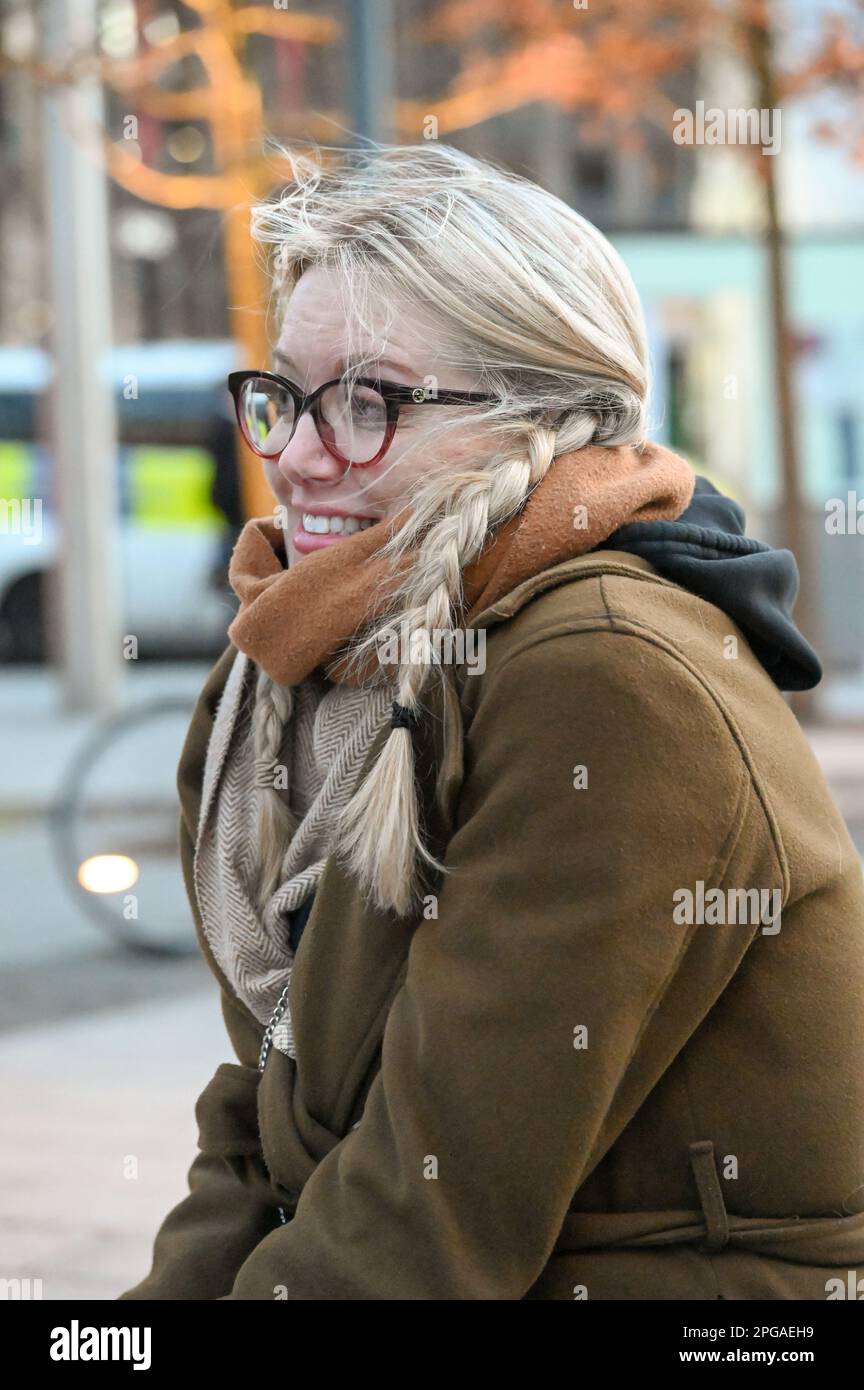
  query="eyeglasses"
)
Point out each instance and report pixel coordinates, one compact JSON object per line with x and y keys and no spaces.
{"x":355,"y":418}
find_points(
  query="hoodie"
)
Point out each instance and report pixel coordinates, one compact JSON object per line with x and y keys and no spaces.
{"x":707,"y":553}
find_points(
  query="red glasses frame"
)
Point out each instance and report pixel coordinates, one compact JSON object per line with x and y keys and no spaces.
{"x":392,"y":393}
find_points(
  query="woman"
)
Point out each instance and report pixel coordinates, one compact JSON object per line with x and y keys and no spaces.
{"x":537,"y":930}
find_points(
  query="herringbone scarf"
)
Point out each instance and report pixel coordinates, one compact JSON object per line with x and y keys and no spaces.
{"x":324,"y":745}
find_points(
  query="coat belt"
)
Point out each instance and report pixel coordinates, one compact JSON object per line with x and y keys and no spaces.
{"x":827,"y":1240}
{"x":228,"y":1125}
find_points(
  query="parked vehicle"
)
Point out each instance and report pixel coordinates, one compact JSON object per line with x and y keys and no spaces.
{"x":175,"y":531}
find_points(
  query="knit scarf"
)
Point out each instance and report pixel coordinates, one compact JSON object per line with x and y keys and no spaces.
{"x":293,"y":620}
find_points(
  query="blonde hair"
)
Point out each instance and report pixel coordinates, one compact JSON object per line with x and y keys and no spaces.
{"x":522,"y":291}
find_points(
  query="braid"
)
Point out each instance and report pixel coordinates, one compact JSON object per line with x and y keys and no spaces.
{"x":517,"y":290}
{"x":379,"y":831}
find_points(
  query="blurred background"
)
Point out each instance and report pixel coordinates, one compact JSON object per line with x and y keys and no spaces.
{"x":719,"y":146}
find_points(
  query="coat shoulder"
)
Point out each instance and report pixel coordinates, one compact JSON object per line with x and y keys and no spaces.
{"x":609,"y":592}
{"x":607,"y":623}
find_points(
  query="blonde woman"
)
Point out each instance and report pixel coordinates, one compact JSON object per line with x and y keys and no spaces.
{"x":539,"y":936}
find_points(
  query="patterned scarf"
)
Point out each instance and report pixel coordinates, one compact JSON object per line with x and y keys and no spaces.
{"x":324,"y":745}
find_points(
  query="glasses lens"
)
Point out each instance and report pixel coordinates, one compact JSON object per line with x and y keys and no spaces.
{"x":266,"y":415}
{"x":354,"y":419}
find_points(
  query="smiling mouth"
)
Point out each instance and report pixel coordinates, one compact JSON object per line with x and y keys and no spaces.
{"x":319,"y":530}
{"x":314,"y":524}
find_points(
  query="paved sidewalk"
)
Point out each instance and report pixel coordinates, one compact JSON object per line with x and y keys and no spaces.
{"x":82,"y":1101}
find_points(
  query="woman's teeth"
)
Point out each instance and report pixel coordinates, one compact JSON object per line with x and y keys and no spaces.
{"x":335,"y":525}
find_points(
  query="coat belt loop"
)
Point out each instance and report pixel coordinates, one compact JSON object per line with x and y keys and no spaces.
{"x":710,"y":1194}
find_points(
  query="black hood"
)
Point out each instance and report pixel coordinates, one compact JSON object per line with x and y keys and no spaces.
{"x":707,"y":552}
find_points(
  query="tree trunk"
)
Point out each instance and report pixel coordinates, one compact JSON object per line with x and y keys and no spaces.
{"x":792,"y":510}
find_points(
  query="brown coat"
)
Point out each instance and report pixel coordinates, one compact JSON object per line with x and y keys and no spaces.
{"x":554,"y":1088}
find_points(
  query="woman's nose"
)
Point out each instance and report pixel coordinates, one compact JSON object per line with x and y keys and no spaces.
{"x":305,"y":459}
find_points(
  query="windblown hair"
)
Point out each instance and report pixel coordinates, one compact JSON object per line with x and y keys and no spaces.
{"x":529,"y":296}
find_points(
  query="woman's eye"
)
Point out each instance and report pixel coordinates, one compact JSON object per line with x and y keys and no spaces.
{"x":368,"y":405}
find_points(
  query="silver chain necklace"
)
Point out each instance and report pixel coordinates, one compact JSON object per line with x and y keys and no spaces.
{"x":267,"y":1043}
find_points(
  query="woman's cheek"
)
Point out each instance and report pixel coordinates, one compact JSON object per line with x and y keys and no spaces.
{"x":277,"y":482}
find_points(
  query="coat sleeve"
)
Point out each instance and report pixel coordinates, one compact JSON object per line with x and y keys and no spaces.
{"x":553,"y":989}
{"x":205,"y":1238}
